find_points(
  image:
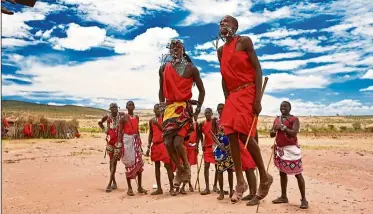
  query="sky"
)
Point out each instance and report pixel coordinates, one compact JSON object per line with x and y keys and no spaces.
{"x":317,"y":54}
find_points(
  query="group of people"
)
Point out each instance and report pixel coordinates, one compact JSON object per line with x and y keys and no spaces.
{"x":229,"y":141}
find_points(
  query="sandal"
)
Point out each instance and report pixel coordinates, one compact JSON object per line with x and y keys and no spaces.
{"x":108,"y":189}
{"x":252,"y":202}
{"x":130,"y":192}
{"x":304,"y":204}
{"x":182,"y":191}
{"x":114,"y":186}
{"x":157,"y":192}
{"x":248,"y":198}
{"x":142,"y":191}
{"x":205,"y":192}
{"x":220,"y":197}
{"x":264,"y":188}
{"x":173,"y":192}
{"x":280,"y":200}
{"x":191,"y":188}
{"x":238,"y":193}
{"x":177,"y":178}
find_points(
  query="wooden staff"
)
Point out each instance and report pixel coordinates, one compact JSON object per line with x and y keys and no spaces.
{"x":256,"y":116}
{"x":198,"y":170}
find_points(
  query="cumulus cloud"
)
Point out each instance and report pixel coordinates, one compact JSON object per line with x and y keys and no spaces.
{"x":212,"y":11}
{"x":129,"y":76}
{"x":79,"y":38}
{"x":368,"y":74}
{"x":370,"y":88}
{"x":118,"y":14}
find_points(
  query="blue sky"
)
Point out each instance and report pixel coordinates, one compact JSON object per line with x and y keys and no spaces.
{"x":317,"y":54}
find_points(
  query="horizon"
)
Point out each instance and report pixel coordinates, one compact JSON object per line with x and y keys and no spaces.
{"x":91,"y":53}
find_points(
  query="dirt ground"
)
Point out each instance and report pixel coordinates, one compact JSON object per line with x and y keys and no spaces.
{"x":70,"y":176}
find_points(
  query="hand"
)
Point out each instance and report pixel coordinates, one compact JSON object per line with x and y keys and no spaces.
{"x":197,"y":150}
{"x":277,"y":127}
{"x":203,"y":149}
{"x":196,"y":113}
{"x":257,"y":108}
{"x":147,"y":153}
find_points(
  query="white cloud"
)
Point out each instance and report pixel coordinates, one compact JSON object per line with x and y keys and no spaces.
{"x":368,"y":74}
{"x":281,"y":56}
{"x":208,"y":56}
{"x":212,"y":11}
{"x":55,"y":104}
{"x":119,"y":14}
{"x":284,"y":81}
{"x":370,"y":88}
{"x":12,"y":42}
{"x":129,"y":76}
{"x":15,"y":25}
{"x":329,"y":69}
{"x":79,"y":38}
{"x":304,"y":44}
{"x":283,"y":32}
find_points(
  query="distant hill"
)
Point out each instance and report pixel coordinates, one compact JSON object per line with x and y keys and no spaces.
{"x":20,"y":108}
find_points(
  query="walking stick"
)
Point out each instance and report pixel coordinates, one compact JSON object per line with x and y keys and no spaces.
{"x":198,"y":170}
{"x":256,"y":116}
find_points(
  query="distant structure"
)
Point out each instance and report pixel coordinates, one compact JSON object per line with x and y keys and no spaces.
{"x":5,"y":10}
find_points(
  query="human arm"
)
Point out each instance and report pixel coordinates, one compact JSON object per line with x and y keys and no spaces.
{"x":101,"y":122}
{"x":197,"y":138}
{"x":122,"y":121}
{"x":201,"y":96}
{"x":160,"y":93}
{"x":249,"y":47}
{"x":292,"y":131}
{"x":150,"y":137}
{"x":200,"y":135}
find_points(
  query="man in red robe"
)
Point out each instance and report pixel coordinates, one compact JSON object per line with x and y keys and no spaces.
{"x":242,"y":84}
{"x":176,"y":79}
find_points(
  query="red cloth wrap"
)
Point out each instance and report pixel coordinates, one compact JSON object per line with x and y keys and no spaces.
{"x":132,"y":126}
{"x":282,"y":139}
{"x":236,"y":69}
{"x":192,"y":149}
{"x":208,"y":143}
{"x":158,"y":149}
{"x":175,"y":87}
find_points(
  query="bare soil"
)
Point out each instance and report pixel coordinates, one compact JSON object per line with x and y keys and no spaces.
{"x":70,"y":176}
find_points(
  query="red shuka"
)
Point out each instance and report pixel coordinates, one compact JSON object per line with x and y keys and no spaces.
{"x":208,"y":143}
{"x":282,"y":139}
{"x":237,"y":71}
{"x":158,"y":149}
{"x":175,"y":87}
{"x":132,"y":126}
{"x":191,"y":148}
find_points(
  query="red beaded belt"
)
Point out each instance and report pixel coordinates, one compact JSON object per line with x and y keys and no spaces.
{"x":241,"y":87}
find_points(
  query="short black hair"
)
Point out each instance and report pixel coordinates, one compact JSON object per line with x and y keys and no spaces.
{"x":220,"y":104}
{"x":155,"y":106}
{"x":130,"y":101}
{"x":208,"y":109}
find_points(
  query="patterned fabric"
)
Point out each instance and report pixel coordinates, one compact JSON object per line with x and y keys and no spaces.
{"x":177,"y":119}
{"x":288,"y":159}
{"x":223,"y":158}
{"x":132,"y":155}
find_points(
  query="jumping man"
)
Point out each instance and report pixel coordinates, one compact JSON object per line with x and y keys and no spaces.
{"x":176,"y":79}
{"x":242,"y":84}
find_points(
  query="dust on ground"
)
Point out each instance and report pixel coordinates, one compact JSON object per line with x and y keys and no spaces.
{"x":70,"y":176}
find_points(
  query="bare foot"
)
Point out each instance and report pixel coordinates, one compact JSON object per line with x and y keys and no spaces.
{"x":182,"y":191}
{"x":108,"y":188}
{"x":191,"y":188}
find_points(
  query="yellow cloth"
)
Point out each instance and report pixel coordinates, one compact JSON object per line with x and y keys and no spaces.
{"x":169,"y":112}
